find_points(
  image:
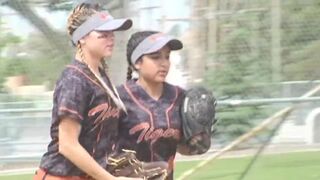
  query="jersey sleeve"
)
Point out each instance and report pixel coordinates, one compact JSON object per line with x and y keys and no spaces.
{"x":72,"y":97}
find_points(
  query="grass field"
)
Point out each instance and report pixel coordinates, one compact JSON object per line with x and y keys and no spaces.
{"x":291,"y":166}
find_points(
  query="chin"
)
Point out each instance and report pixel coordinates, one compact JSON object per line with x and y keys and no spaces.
{"x":108,"y":54}
{"x":161,"y":80}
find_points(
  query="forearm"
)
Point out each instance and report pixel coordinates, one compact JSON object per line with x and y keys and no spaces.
{"x":71,"y":149}
{"x":183,"y":149}
{"x":81,"y":158}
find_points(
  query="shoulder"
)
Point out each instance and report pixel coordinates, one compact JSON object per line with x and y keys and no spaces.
{"x":120,"y":88}
{"x":123,"y":91}
{"x":129,"y":85}
{"x":74,"y":68}
{"x":74,"y":77}
{"x":71,"y":75}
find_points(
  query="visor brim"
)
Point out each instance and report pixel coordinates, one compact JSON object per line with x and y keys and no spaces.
{"x":115,"y":25}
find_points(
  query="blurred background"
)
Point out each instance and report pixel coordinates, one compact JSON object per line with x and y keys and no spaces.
{"x":257,"y":57}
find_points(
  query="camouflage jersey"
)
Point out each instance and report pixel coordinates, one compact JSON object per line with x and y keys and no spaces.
{"x":78,"y":95}
{"x":152,"y":127}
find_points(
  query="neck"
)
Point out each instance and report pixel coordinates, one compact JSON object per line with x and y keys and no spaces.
{"x":92,"y":61}
{"x":153,"y":89}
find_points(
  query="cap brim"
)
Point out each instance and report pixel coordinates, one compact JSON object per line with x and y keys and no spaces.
{"x":115,"y":25}
{"x":173,"y":44}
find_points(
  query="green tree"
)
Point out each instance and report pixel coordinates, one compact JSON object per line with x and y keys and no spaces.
{"x":8,"y":65}
{"x":50,"y":51}
{"x":242,"y":66}
{"x":242,"y":62}
{"x":44,"y":65}
{"x":301,"y":40}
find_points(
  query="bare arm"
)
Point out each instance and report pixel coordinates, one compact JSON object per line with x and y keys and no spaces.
{"x":69,"y":146}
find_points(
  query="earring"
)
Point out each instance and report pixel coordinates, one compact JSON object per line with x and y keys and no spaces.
{"x":135,"y":75}
{"x":82,"y":42}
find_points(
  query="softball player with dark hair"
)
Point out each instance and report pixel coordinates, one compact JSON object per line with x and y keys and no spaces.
{"x":153,"y":124}
{"x":86,"y":106}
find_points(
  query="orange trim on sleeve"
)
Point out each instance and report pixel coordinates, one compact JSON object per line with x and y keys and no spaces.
{"x":71,"y":111}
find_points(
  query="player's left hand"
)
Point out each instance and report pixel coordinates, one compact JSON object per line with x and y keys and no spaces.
{"x":198,"y":143}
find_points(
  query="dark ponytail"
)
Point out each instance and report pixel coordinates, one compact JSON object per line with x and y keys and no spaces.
{"x":129,"y":73}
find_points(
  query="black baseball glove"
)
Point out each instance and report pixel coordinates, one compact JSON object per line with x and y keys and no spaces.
{"x":198,"y":117}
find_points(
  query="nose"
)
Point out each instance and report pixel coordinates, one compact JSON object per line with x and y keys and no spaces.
{"x":165,"y":62}
{"x":110,"y":35}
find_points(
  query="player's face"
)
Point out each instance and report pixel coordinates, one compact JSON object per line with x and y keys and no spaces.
{"x":100,"y":43}
{"x":154,"y":67}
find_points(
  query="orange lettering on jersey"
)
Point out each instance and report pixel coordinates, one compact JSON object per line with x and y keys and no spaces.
{"x":98,"y":108}
{"x":111,"y":112}
{"x":147,"y":133}
{"x":143,"y":127}
{"x":105,"y":111}
{"x":156,"y":134}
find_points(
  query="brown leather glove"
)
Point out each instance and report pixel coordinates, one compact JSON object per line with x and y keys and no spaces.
{"x":126,"y":164}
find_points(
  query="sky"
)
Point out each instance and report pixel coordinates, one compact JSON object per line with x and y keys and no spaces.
{"x":170,"y":9}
